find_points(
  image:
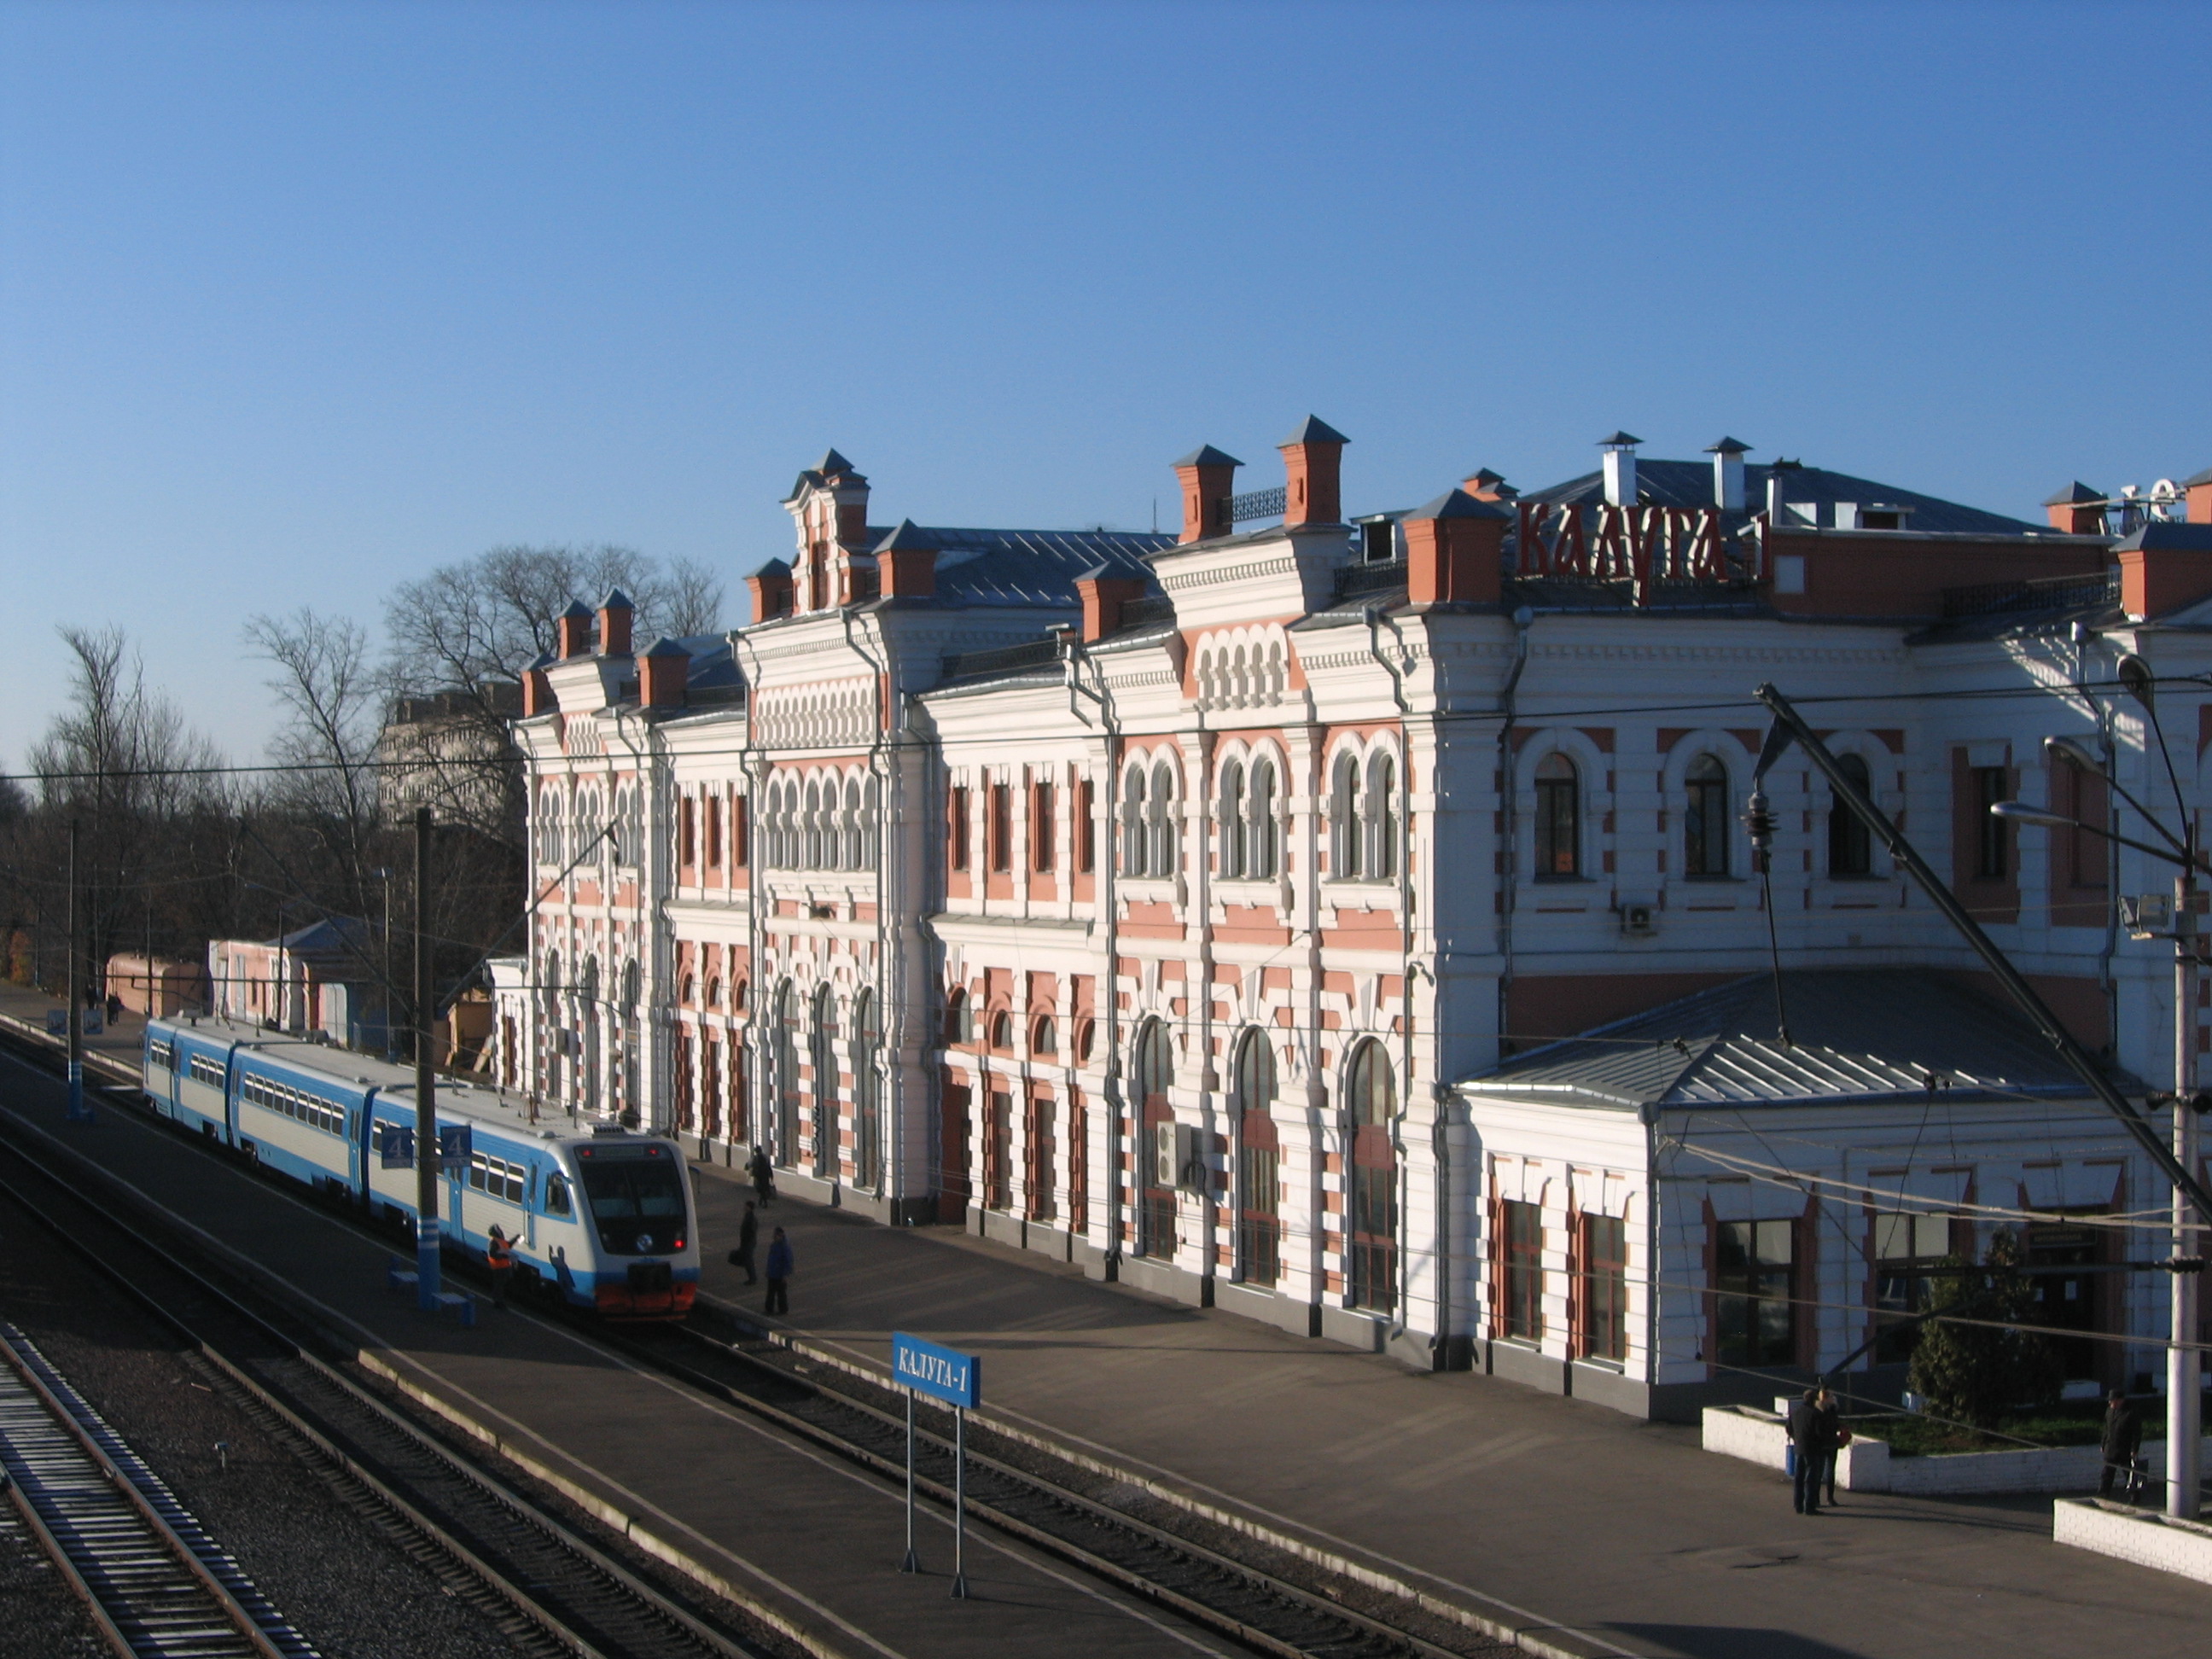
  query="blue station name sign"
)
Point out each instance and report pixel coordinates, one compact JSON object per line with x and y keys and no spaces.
{"x":941,"y":1373}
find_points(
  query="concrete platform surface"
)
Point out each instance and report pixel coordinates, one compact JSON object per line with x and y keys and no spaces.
{"x":1565,"y":1511}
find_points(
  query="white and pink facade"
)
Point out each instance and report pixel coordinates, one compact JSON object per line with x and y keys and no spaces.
{"x":1191,"y":907}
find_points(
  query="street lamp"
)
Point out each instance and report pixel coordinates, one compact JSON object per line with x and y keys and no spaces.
{"x":2183,"y":1402}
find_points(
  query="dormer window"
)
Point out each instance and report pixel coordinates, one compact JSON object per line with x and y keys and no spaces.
{"x":1378,"y":541}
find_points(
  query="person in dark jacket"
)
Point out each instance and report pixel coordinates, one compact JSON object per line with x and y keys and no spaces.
{"x":779,"y":1264}
{"x":2123,"y":1438}
{"x":1841,"y":1438}
{"x":764,"y":1176}
{"x":748,"y":1240}
{"x":1813,"y":1437}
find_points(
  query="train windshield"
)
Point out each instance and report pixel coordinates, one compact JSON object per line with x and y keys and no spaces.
{"x":637,"y":1205}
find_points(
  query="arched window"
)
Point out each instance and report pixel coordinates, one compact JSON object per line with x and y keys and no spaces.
{"x":1370,"y":1100}
{"x":813,"y":846}
{"x":1164,"y":861}
{"x":868,"y":1095}
{"x":871,"y":828}
{"x":784,"y":1077}
{"x":1134,"y":841}
{"x":1851,"y":846}
{"x":853,"y":859}
{"x":1086,"y":1036}
{"x":631,"y":1103}
{"x":593,"y":1023}
{"x":549,"y":828}
{"x":1232,"y":814}
{"x":1382,"y":818}
{"x":1344,"y":860}
{"x":823,"y":1056}
{"x":1259,"y":1209}
{"x":1002,"y":1030}
{"x":1158,"y":1152}
{"x":1259,"y":852}
{"x":1044,"y":1037}
{"x":557,"y":1028}
{"x":1558,"y":819}
{"x":959,"y":1018}
{"x":1706,"y":818}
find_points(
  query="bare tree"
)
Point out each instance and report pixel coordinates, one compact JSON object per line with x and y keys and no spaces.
{"x":328,"y":743}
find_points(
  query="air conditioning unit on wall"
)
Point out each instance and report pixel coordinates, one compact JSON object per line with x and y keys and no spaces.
{"x":1178,"y":1158}
{"x":1639,"y":918}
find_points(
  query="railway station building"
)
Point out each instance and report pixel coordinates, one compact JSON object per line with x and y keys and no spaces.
{"x":1347,"y":918}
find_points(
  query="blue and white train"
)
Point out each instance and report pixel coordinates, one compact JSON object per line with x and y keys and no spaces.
{"x":605,"y":1216}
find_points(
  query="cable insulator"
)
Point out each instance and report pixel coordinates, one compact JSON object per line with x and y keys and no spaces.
{"x":1759,"y":821}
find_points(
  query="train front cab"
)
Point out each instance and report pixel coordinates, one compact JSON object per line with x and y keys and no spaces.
{"x":643,"y":1231}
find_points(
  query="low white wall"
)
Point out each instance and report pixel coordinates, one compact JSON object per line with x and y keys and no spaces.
{"x":2149,"y":1539}
{"x":1760,"y":1436}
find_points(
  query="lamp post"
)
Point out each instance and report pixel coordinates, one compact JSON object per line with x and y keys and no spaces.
{"x":2184,"y":1365}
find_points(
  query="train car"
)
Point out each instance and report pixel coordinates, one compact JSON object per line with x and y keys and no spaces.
{"x":602,"y":1216}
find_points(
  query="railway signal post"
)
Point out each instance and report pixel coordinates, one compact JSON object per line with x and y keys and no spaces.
{"x":956,"y":1378}
{"x":427,"y":1286}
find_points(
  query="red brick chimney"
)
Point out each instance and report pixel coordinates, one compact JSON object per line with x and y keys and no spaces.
{"x":1104,"y":596}
{"x":572,"y":631}
{"x":1207,"y":476}
{"x":1313,"y":462}
{"x":2165,"y":566}
{"x":1487,"y":486}
{"x":537,"y":689}
{"x":2199,"y":489}
{"x":663,"y":674}
{"x":615,"y":614}
{"x":1454,"y":550}
{"x":906,"y":564}
{"x":770,"y":586}
{"x":850,"y":486}
{"x":2077,"y":510}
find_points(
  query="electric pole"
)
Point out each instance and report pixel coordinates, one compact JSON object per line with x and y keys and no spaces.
{"x":425,"y":1081}
{"x":78,"y":1111}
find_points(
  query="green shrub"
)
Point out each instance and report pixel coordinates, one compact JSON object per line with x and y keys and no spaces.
{"x":1976,"y":1373}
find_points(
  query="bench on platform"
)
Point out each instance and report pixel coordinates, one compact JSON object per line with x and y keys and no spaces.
{"x":398,"y":1276}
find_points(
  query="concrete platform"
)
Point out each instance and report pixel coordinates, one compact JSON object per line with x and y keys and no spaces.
{"x":1539,"y":1509}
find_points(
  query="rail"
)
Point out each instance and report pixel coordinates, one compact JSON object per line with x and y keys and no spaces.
{"x":2035,"y":593}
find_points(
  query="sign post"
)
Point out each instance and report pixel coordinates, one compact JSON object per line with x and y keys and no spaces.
{"x":956,"y":1378}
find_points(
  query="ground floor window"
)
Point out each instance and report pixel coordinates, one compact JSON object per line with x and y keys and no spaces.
{"x":1604,"y":1287}
{"x":1520,"y":1229}
{"x":1038,"y":1159}
{"x":1755,"y":1267}
{"x":1905,"y":1247}
{"x":998,"y":1152}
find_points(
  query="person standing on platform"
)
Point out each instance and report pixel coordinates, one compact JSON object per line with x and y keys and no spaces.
{"x":1812,"y":1437}
{"x":2123,"y":1438}
{"x":1837,"y":1441}
{"x":764,"y":1176}
{"x":779,"y":1264}
{"x":499,"y":1256}
{"x":748,"y":1240}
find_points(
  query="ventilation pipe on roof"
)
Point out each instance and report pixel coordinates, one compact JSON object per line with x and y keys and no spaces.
{"x":1727,"y":473}
{"x":1619,"y":468}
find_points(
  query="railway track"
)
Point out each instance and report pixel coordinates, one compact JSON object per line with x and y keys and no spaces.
{"x":158,"y":1586}
{"x":572,"y":1596}
{"x":1257,"y":1603}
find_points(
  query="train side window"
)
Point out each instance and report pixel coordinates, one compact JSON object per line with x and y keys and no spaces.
{"x":476,"y":1170}
{"x":518,"y":1183}
{"x":556,"y":1195}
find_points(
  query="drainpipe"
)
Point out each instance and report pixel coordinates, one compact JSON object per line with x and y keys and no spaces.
{"x":891,"y":993}
{"x":752,"y":762}
{"x":1510,"y":816}
{"x":651,"y":909}
{"x":1402,"y":1244}
{"x":1102,"y":875}
{"x":1652,"y":1274}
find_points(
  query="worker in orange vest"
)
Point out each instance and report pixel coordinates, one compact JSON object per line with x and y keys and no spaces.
{"x":499,"y":1258}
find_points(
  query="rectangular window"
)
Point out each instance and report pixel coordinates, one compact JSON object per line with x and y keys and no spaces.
{"x":1905,"y":1248}
{"x":1523,"y":1226}
{"x":1605,"y":1287}
{"x":687,"y":832}
{"x":1993,"y":842}
{"x":1558,"y":836}
{"x":714,"y":832}
{"x":1754,"y":1271}
{"x":1087,"y":827}
{"x":741,"y":831}
{"x":1043,"y":829}
{"x":957,"y":829}
{"x":1001,"y":830}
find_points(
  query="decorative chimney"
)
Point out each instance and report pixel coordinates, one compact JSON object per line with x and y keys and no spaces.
{"x":536,"y":688}
{"x":2077,"y":510}
{"x":572,"y":631}
{"x":1727,"y":473}
{"x":1104,"y":596}
{"x":1487,"y":486}
{"x":2199,"y":490}
{"x":663,"y":674}
{"x":1313,"y":463}
{"x":615,"y":614}
{"x":849,"y":486}
{"x":906,"y":564}
{"x":1619,"y":468}
{"x":1455,"y":549}
{"x":770,"y":586}
{"x":1207,"y":476}
{"x":2164,"y":567}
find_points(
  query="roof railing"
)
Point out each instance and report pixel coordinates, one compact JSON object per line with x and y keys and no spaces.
{"x":2035,"y":593}
{"x":1002,"y":660}
{"x":1256,"y":504}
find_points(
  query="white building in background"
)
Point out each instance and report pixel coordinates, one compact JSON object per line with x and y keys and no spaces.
{"x":1206,"y":909}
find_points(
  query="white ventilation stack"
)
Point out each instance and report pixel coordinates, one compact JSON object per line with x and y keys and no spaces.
{"x":1727,"y":473}
{"x":1619,"y":468}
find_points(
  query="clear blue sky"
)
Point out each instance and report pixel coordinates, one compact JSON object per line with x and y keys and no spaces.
{"x":297,"y":300}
